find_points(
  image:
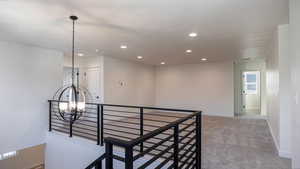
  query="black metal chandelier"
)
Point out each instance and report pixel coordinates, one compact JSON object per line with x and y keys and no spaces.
{"x":72,"y":98}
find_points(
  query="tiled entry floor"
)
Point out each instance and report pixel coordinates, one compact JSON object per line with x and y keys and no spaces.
{"x":230,"y":143}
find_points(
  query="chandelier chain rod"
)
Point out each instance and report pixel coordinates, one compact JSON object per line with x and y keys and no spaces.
{"x":73,"y":46}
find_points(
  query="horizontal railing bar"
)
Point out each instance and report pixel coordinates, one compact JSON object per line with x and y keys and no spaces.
{"x":68,"y":115}
{"x":180,"y":152}
{"x":160,"y":130}
{"x":57,"y":122}
{"x":131,"y":123}
{"x":55,"y":115}
{"x":84,"y":128}
{"x":118,"y":158}
{"x":87,"y":108}
{"x":186,"y":160}
{"x":185,"y":136}
{"x":186,"y":127}
{"x":150,"y":114}
{"x":190,"y":162}
{"x":76,"y":123}
{"x":131,"y":117}
{"x":121,"y":111}
{"x":129,"y":138}
{"x":145,"y":107}
{"x":187,"y":143}
{"x":75,"y":134}
{"x":74,"y":130}
{"x":155,"y":158}
{"x":190,"y":149}
{"x":151,"y":154}
{"x":90,"y":121}
{"x":94,"y":163}
{"x":121,"y":131}
{"x":164,"y":162}
{"x":152,"y":148}
{"x":109,"y":124}
{"x":121,"y":127}
{"x":185,"y":154}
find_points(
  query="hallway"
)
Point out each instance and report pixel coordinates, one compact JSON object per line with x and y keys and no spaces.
{"x":239,"y":144}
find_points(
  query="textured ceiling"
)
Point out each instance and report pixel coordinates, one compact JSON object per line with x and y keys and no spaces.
{"x":155,"y":29}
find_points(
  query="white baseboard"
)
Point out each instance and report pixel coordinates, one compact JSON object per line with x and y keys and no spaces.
{"x":281,"y":153}
{"x":274,"y":139}
{"x":285,"y":154}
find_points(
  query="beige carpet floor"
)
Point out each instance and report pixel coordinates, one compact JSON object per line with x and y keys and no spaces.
{"x":230,"y":143}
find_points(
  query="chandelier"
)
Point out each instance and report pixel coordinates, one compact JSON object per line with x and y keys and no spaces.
{"x":72,"y":98}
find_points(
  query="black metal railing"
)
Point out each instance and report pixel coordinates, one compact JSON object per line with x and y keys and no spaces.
{"x":153,"y":137}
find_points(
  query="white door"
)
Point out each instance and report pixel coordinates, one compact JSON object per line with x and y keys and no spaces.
{"x":91,"y":79}
{"x":251,"y":93}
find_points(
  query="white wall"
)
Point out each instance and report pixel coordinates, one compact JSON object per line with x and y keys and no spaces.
{"x":127,"y":82}
{"x":29,"y":77}
{"x":206,"y":86}
{"x":279,"y":91}
{"x":63,"y":152}
{"x":272,"y":82}
{"x":294,"y":29}
{"x":285,"y":91}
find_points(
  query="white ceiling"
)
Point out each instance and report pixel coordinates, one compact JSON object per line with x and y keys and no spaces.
{"x":155,"y":29}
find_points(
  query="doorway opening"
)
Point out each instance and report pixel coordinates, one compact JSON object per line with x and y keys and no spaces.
{"x":251,"y":93}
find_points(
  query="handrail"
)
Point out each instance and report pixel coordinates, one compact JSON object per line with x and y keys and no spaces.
{"x":96,"y":162}
{"x":145,"y":107}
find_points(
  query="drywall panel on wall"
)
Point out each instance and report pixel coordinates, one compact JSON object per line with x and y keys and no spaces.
{"x":207,"y":87}
{"x":63,"y":152}
{"x":29,"y":77}
{"x":272,"y":92}
{"x":285,"y":91}
{"x":129,"y":83}
{"x":294,"y":28}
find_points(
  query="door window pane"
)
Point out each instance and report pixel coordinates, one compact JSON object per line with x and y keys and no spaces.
{"x":251,"y":87}
{"x":251,"y":78}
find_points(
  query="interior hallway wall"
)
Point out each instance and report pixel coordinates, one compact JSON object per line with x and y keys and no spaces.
{"x":285,"y":91}
{"x":206,"y":86}
{"x":294,"y":28}
{"x":127,"y":82}
{"x":279,"y":90}
{"x":272,"y":82}
{"x":29,"y":77}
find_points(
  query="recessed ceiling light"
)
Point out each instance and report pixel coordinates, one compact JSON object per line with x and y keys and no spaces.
{"x":123,"y":47}
{"x":193,"y":34}
{"x":97,"y":50}
{"x":162,"y":63}
{"x":140,"y":57}
{"x":204,"y":59}
{"x":188,"y":51}
{"x":80,"y":54}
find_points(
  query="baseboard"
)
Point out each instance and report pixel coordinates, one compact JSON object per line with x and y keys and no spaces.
{"x":281,"y":153}
{"x":285,"y":154}
{"x":274,"y":139}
